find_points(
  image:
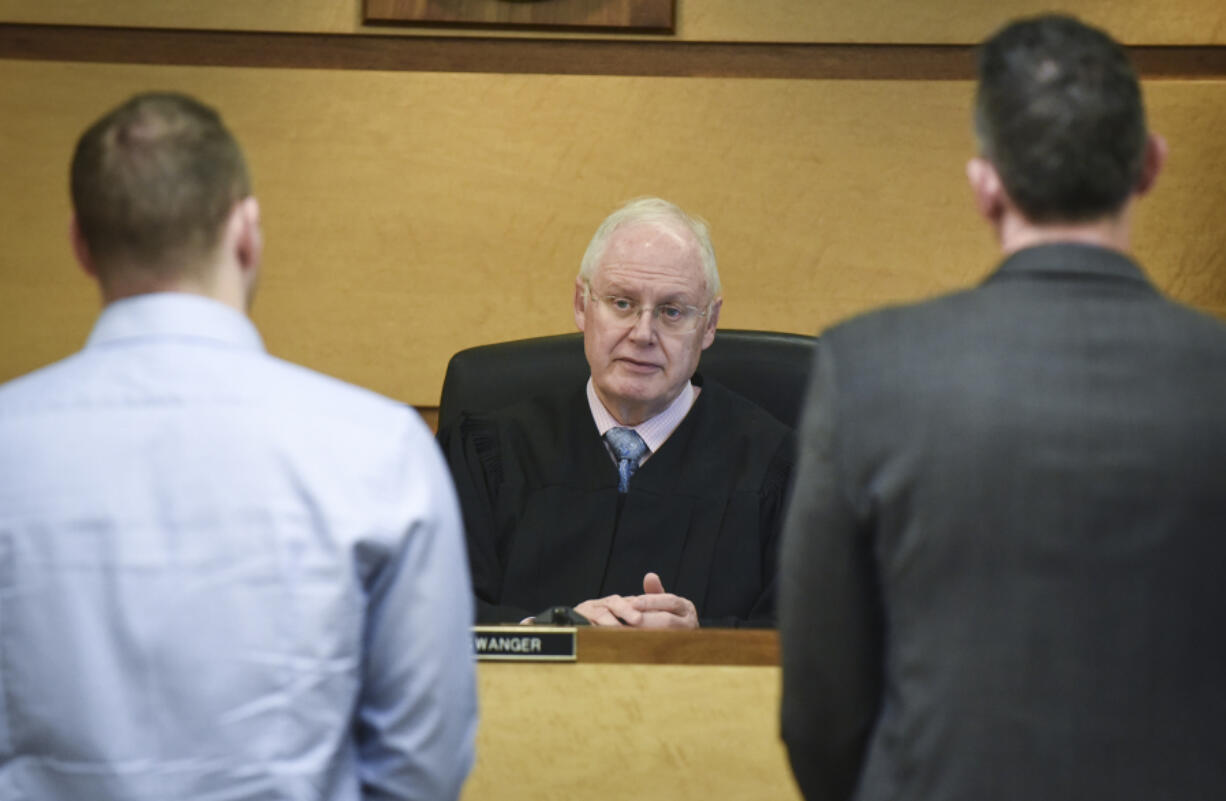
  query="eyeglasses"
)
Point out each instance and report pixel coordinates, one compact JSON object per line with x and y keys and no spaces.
{"x":675,"y":318}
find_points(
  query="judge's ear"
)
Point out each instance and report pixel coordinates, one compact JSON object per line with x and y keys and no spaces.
{"x":1155,"y":158}
{"x":580,"y":304}
{"x":987,"y":188}
{"x":708,"y":334}
{"x":80,"y":248}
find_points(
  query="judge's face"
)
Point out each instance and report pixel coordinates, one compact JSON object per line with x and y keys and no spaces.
{"x":639,"y":365}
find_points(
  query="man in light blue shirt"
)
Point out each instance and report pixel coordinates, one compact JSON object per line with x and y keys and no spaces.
{"x":222,"y":576}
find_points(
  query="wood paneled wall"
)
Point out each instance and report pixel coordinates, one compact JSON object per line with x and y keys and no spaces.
{"x":410,"y":212}
{"x":553,"y":732}
{"x":1157,"y":22}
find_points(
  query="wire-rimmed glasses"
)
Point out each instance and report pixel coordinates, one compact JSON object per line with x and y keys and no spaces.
{"x":676,"y":318}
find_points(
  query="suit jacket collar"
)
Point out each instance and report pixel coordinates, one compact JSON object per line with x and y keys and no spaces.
{"x":1069,"y":259}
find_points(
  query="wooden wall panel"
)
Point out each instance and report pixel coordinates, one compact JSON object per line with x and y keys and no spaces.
{"x":540,"y":56}
{"x":604,"y":16}
{"x":883,"y":21}
{"x":942,"y":21}
{"x":330,"y":16}
{"x":675,"y":732}
{"x":412,"y":214}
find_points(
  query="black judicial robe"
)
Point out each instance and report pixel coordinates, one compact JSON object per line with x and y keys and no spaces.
{"x":546,"y":525}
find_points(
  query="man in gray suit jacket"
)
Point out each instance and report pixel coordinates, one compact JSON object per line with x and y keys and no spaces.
{"x":1003,"y":571}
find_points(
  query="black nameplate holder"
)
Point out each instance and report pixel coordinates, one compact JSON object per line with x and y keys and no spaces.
{"x":525,"y":643}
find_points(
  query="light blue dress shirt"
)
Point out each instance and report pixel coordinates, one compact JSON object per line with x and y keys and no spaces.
{"x":224,"y":577}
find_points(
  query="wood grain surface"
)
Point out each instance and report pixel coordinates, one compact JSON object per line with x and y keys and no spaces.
{"x":941,"y":22}
{"x":702,"y":647}
{"x":610,"y":16}
{"x":551,"y":56}
{"x":412,"y":214}
{"x":560,"y":732}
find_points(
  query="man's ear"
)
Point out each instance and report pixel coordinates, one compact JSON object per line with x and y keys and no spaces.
{"x":80,"y":248}
{"x":248,"y":236}
{"x":580,"y":304}
{"x":708,"y":334}
{"x":987,"y":188}
{"x":1155,"y":158}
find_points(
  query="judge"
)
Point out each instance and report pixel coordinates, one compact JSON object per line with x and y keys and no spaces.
{"x":648,"y":498}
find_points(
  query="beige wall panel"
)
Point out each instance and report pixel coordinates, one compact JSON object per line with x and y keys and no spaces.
{"x":1180,"y":231}
{"x":628,"y":733}
{"x":47,"y":305}
{"x":942,"y":21}
{"x":409,"y":215}
{"x":892,"y":21}
{"x":317,"y":16}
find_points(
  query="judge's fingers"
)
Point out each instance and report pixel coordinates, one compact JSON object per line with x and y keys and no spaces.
{"x":666,"y":611}
{"x":661,"y":602}
{"x":668,"y":620}
{"x":612,"y":610}
{"x":597,"y":613}
{"x":624,"y":609}
{"x":652,"y":584}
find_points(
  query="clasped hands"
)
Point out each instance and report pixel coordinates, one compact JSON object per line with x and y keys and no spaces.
{"x":654,"y":609}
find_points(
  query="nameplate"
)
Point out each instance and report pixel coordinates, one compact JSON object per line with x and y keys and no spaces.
{"x":524,"y":643}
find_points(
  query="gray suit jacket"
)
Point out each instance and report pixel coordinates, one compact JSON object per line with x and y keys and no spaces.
{"x":1004,"y":570}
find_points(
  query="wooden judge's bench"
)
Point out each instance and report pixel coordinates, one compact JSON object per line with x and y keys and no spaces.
{"x":638,"y":715}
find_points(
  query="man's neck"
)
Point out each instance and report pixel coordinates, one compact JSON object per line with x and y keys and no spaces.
{"x":220,"y":285}
{"x":1016,"y":233}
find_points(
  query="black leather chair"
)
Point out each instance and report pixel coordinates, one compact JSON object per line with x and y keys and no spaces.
{"x":767,"y":367}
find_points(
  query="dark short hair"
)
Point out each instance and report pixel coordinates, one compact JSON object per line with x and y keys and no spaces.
{"x":1058,"y":112}
{"x":153,"y":182}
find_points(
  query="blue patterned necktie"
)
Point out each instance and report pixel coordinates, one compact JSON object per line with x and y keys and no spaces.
{"x":629,"y":448}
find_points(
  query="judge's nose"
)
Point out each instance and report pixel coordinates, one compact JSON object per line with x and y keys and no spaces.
{"x":643,"y":330}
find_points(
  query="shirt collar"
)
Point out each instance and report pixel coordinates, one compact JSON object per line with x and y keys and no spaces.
{"x":654,"y":430}
{"x":175,"y":315}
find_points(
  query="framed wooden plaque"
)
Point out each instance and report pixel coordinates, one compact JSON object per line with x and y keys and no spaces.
{"x":644,"y":16}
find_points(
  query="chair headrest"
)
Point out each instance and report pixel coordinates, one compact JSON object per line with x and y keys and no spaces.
{"x":770,"y":368}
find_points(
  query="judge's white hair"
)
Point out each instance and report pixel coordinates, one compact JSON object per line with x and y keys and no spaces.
{"x":653,"y":211}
